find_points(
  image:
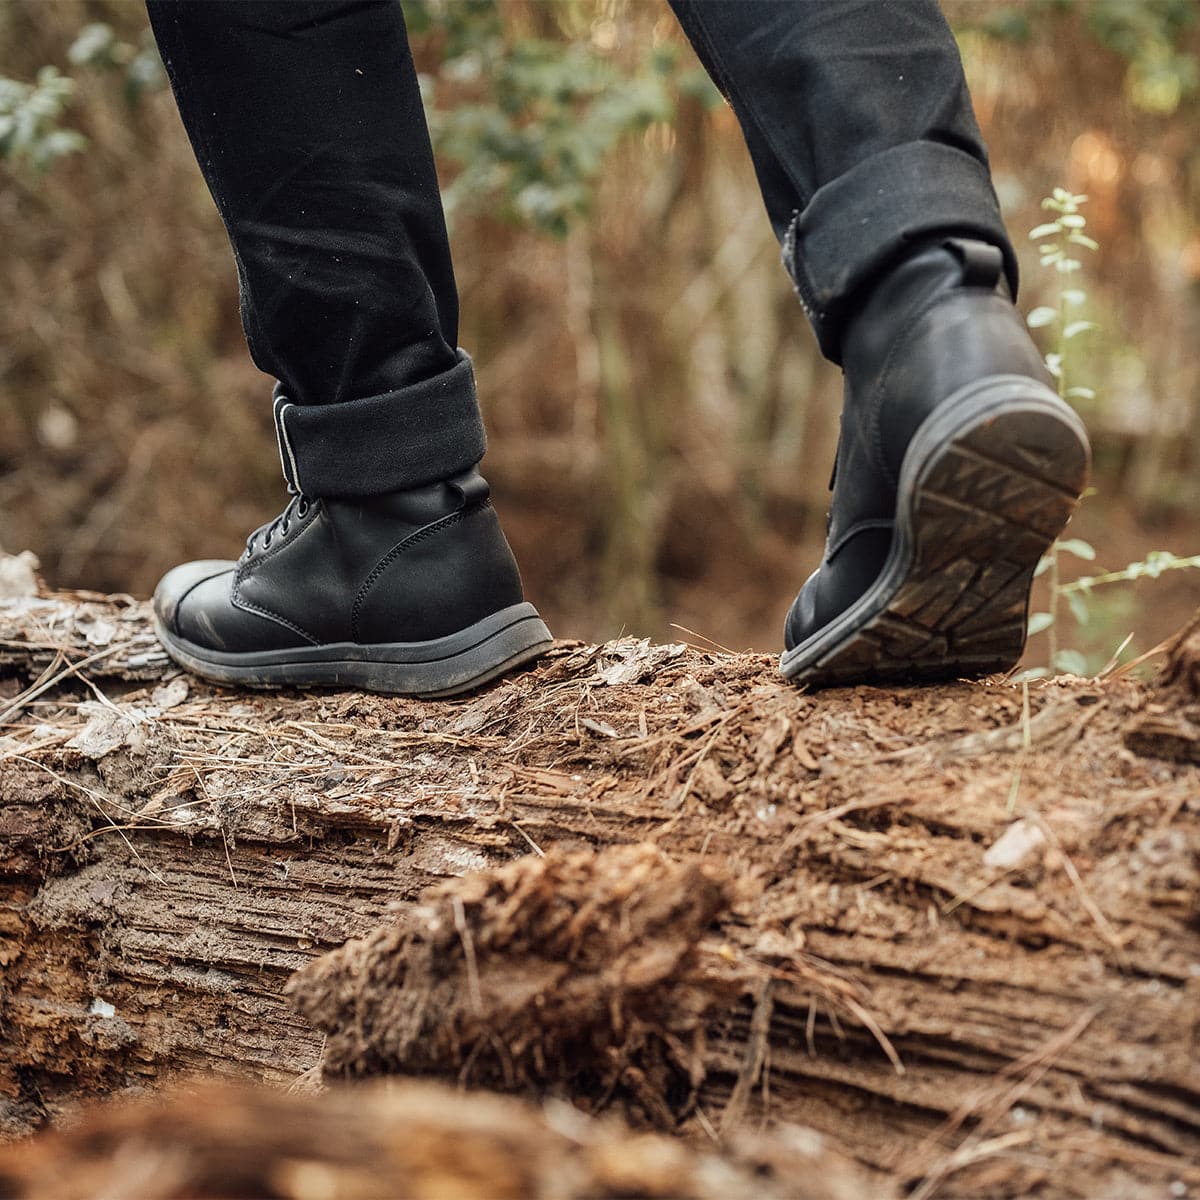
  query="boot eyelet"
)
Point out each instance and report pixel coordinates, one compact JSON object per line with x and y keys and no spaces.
{"x":284,"y":529}
{"x":267,"y":542}
{"x":302,"y":509}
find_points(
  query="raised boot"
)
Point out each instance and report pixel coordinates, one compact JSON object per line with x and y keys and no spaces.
{"x":412,"y":593}
{"x":958,"y":466}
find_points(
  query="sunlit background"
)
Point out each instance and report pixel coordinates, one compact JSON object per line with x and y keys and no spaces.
{"x":661,"y":422}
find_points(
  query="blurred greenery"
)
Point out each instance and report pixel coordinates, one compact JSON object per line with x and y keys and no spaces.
{"x":1150,"y":34}
{"x":98,"y":46}
{"x":531,"y":120}
{"x":29,"y":119}
{"x":529,"y":123}
{"x":660,"y":418}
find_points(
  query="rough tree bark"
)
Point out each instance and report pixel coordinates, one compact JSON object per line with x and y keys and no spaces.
{"x":955,"y":929}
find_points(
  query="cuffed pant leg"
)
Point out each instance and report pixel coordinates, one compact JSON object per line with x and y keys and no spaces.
{"x":426,"y":431}
{"x":859,"y":123}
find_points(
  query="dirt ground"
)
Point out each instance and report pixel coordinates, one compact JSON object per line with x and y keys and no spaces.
{"x":955,"y":930}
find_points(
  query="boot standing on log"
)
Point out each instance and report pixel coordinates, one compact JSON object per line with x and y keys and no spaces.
{"x":387,"y":569}
{"x":958,"y":464}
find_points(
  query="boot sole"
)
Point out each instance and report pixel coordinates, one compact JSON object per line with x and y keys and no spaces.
{"x":446,"y":666}
{"x":988,"y":482}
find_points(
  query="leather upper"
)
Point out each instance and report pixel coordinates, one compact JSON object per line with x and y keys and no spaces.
{"x":410,"y":566}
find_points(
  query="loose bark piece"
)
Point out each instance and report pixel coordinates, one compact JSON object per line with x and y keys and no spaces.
{"x":1182,"y":669}
{"x":108,"y":637}
{"x":539,"y":972}
{"x":1169,"y":735}
{"x":1171,"y":729}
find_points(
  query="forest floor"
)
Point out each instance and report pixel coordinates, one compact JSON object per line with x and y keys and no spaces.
{"x":955,"y":930}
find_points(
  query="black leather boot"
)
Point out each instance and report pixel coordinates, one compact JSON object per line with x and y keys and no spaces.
{"x":413,"y":593}
{"x":958,"y":466}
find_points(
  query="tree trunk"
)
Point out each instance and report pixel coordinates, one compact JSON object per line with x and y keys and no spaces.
{"x":953,"y":928}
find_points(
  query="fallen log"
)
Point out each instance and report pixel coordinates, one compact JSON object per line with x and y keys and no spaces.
{"x":414,"y":1140}
{"x":954,"y":928}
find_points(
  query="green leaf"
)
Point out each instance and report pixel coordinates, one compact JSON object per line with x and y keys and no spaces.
{"x":1079,"y":608}
{"x":93,"y":47}
{"x":1071,"y":662}
{"x":1066,"y":265}
{"x":1079,"y":548}
{"x":1044,"y":564}
{"x":1080,"y":393}
{"x":1042,"y":231}
{"x":1041,"y":316}
{"x":1054,"y":365}
{"x":60,"y":142}
{"x":1077,"y":327}
{"x":1082,"y":239}
{"x":1072,"y":221}
{"x":1074,"y":296}
{"x":1039,"y":622}
{"x":144,"y":73}
{"x":29,"y":118}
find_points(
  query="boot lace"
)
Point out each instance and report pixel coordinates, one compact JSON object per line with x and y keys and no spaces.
{"x":296,"y":509}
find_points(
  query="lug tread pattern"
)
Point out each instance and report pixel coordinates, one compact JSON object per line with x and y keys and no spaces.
{"x":986,"y":509}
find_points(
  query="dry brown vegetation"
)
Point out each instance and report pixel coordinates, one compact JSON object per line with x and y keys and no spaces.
{"x":661,"y":425}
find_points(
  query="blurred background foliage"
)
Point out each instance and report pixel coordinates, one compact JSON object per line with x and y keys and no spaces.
{"x":661,"y":422}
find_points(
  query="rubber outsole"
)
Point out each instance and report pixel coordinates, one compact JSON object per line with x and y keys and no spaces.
{"x":988,"y":482}
{"x":448,"y":666}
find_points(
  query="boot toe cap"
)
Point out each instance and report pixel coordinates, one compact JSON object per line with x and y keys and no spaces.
{"x":802,"y":616}
{"x":196,"y":603}
{"x":181,"y":582}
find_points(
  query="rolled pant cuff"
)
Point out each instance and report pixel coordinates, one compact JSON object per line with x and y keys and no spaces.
{"x":403,"y":439}
{"x":853,"y":227}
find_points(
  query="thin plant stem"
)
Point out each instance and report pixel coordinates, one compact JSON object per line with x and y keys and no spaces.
{"x":1126,"y":575}
{"x":1055,"y":594}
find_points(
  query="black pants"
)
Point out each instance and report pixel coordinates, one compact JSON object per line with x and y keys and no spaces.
{"x":307,"y":122}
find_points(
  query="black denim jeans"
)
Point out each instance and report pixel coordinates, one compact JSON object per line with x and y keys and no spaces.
{"x":307,"y":122}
